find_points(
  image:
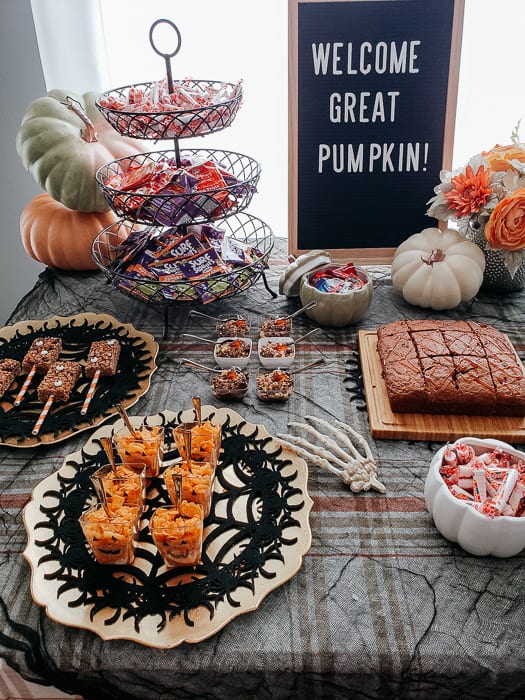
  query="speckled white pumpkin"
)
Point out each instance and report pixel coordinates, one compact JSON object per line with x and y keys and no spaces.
{"x":502,"y":536}
{"x":437,"y":269}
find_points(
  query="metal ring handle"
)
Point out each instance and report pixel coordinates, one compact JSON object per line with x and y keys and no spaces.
{"x":179,"y":38}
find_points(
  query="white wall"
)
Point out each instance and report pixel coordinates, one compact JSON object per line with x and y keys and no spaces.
{"x":21,"y":81}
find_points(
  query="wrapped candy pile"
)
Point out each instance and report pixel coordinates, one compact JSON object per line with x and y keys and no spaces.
{"x":337,"y":279}
{"x":172,"y":255}
{"x":152,"y":106}
{"x":493,"y":482}
{"x":166,"y":194}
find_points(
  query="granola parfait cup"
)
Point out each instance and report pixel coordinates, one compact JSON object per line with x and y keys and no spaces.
{"x":205,"y":441}
{"x":143,"y":445}
{"x":120,"y":486}
{"x":177,"y":533}
{"x":197,"y":483}
{"x":274,"y":385}
{"x":230,"y":384}
{"x":275,"y":326}
{"x":233,"y":326}
{"x":111,"y":536}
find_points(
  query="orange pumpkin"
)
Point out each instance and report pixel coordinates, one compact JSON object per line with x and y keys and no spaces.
{"x":61,"y":237}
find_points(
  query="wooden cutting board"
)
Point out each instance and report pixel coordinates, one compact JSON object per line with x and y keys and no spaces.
{"x":387,"y":425}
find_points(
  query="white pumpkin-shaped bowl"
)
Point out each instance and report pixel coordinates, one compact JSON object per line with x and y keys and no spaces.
{"x":476,"y":533}
{"x":279,"y":360}
{"x":232,"y":352}
{"x":337,"y":309}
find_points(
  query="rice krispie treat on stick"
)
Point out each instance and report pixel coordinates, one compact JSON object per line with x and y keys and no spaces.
{"x":102,"y":361}
{"x":37,"y":360}
{"x":9,"y":369}
{"x":57,"y":385}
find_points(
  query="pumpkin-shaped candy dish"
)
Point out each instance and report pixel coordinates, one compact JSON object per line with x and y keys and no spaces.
{"x":475,"y":492}
{"x":337,"y":307}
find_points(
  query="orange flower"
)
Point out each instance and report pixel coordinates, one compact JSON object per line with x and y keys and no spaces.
{"x":470,"y":191}
{"x":499,"y":157}
{"x":506,"y":227}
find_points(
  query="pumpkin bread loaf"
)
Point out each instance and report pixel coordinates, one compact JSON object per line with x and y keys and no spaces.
{"x":450,"y":367}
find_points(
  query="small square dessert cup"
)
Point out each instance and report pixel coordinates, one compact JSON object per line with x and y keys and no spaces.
{"x":122,"y":486}
{"x":112,"y":537}
{"x":274,"y":385}
{"x":197,"y":483}
{"x":206,"y":440}
{"x":232,"y":352}
{"x":230,"y":384}
{"x":275,"y":326}
{"x":177,"y":534}
{"x":145,"y":446}
{"x":233,"y":326}
{"x":276,"y":351}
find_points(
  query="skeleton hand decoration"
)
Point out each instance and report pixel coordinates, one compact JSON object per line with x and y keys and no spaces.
{"x":336,"y":450}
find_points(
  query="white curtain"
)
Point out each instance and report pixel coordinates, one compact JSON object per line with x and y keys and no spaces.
{"x":71,"y":43}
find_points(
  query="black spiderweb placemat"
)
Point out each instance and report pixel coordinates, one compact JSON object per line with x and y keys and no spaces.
{"x":135,"y":366}
{"x":252,"y":527}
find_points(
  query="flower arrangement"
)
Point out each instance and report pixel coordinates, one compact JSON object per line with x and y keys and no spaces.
{"x":488,"y":194}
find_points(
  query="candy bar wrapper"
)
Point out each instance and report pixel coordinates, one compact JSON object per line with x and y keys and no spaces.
{"x":237,"y":252}
{"x":184,"y":247}
{"x":204,"y":264}
{"x":210,"y":234}
{"x":176,"y":211}
{"x":181,"y":292}
{"x":130,"y":249}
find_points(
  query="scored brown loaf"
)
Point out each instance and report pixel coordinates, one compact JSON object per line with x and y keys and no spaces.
{"x":451,"y":367}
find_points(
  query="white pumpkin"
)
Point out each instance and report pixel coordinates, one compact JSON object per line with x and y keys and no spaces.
{"x":437,"y":269}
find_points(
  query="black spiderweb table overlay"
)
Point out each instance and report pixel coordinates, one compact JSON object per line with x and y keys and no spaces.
{"x":244,"y":540}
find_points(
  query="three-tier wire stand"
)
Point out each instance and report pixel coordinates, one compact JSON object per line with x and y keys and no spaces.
{"x":157,"y":213}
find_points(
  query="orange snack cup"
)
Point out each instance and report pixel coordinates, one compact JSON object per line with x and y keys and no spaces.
{"x":147,"y":448}
{"x":205,"y":441}
{"x":112,"y":538}
{"x":197,"y":483}
{"x":177,"y":534}
{"x":124,"y":486}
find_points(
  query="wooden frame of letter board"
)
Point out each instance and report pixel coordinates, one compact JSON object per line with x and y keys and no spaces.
{"x":359,"y":255}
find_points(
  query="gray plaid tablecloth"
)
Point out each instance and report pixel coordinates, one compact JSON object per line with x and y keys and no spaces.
{"x":382,"y":607}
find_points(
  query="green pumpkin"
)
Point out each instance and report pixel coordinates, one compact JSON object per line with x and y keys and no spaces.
{"x":63,"y":150}
{"x":337,"y":309}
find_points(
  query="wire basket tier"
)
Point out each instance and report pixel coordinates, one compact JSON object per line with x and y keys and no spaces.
{"x":179,"y":200}
{"x":193,"y":108}
{"x":244,"y":228}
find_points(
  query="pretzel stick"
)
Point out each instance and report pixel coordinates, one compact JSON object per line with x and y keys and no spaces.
{"x":43,"y":414}
{"x":25,"y":386}
{"x":90,"y":393}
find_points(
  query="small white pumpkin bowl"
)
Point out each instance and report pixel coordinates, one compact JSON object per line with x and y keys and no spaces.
{"x":502,"y":536}
{"x":231,"y":361}
{"x":274,"y":362}
{"x":337,"y":309}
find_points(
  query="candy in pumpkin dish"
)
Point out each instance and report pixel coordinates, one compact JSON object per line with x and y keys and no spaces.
{"x":339,"y":294}
{"x":475,"y":492}
{"x":450,"y":367}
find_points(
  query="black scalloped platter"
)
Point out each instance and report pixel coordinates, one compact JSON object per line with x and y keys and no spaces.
{"x":255,"y":538}
{"x":132,"y":379}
